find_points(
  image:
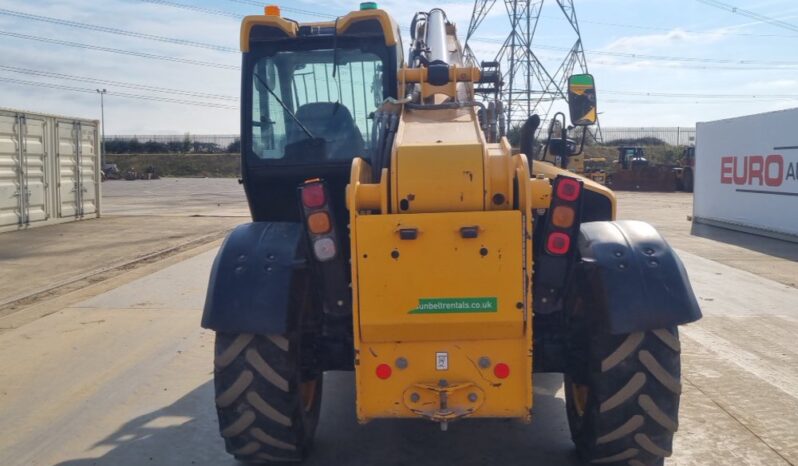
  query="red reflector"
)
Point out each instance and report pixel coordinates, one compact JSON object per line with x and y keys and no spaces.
{"x":383,"y":371}
{"x":313,"y":195}
{"x":501,"y":370}
{"x":558,"y":243}
{"x":568,"y":189}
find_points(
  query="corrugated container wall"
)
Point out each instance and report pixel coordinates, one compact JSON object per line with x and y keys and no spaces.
{"x":49,"y":169}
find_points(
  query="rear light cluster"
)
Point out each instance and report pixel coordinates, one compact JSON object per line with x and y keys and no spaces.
{"x":318,"y":218}
{"x":563,"y":221}
{"x":556,"y":244}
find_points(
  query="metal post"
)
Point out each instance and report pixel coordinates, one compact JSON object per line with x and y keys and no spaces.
{"x":102,"y":116}
{"x":22,"y":171}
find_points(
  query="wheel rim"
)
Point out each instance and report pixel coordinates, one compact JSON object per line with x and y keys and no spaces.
{"x":579,"y":397}
{"x":307,"y":393}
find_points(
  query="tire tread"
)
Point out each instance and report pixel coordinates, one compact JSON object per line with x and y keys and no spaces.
{"x":634,"y":390}
{"x":258,"y":401}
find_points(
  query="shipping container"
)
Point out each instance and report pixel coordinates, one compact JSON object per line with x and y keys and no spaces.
{"x":746,"y":174}
{"x":49,"y":169}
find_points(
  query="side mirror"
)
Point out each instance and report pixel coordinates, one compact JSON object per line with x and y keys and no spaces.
{"x":582,"y":99}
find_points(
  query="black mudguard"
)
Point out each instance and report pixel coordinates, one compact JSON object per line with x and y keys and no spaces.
{"x":635,"y":281}
{"x":252,"y":277}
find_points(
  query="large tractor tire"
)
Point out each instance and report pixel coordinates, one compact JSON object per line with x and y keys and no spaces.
{"x":268,"y":389}
{"x":267,"y":412}
{"x":623,"y":403}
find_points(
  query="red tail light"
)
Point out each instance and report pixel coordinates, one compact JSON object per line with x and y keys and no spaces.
{"x":558,"y":243}
{"x":383,"y":371}
{"x":313,"y":195}
{"x":568,"y":189}
{"x":501,"y":370}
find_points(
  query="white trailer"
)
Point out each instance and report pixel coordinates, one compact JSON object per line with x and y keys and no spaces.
{"x":49,"y":169}
{"x":746,"y":174}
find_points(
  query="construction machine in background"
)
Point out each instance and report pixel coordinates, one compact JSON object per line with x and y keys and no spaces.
{"x":593,"y":168}
{"x":633,"y":172}
{"x":631,"y":158}
{"x":396,"y":235}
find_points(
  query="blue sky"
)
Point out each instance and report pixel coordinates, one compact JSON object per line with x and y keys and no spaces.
{"x":753,"y":64}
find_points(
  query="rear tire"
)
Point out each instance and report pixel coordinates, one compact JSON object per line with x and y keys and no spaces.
{"x":623,"y":405}
{"x":267,"y":413}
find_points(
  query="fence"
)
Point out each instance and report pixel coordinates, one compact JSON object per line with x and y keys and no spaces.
{"x":231,"y":143}
{"x":673,"y":136}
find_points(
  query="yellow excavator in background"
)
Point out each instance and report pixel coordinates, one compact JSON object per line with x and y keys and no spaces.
{"x":396,"y":235}
{"x":592,"y":168}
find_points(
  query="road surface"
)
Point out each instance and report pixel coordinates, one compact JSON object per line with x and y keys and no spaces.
{"x":119,"y":373}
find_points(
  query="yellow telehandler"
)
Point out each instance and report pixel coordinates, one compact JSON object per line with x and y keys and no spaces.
{"x":392,"y":239}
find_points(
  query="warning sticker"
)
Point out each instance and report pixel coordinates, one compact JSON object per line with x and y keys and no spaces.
{"x":455,"y":305}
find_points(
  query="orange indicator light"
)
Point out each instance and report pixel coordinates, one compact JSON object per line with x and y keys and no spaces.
{"x":563,"y":216}
{"x":319,"y":223}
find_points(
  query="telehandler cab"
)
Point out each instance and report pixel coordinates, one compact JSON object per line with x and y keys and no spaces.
{"x":391,"y":238}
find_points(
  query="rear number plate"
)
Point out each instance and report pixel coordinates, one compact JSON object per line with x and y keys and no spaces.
{"x":442,"y":361}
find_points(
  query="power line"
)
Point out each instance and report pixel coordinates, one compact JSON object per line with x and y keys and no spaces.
{"x":121,"y":32}
{"x":727,"y":98}
{"x":695,"y":67}
{"x":723,"y":61}
{"x":697,"y":102}
{"x":202,"y":95}
{"x":682,"y":65}
{"x":295,"y":10}
{"x":500,"y":42}
{"x":720,"y":31}
{"x":118,"y":94}
{"x":199,"y":9}
{"x":634,"y":56}
{"x":108,"y":82}
{"x":330,"y":16}
{"x":750,"y":14}
{"x":702,"y":95}
{"x":119,"y":51}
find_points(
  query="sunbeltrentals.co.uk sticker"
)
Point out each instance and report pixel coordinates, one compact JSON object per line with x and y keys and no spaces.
{"x":455,"y":305}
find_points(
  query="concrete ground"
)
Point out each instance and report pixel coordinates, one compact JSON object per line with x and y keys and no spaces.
{"x":119,"y":373}
{"x":668,"y":212}
{"x":142,"y":221}
{"x":205,"y":197}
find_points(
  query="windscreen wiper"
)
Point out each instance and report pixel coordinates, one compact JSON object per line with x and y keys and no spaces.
{"x":285,"y":107}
